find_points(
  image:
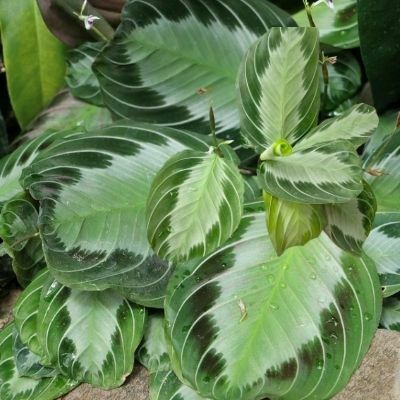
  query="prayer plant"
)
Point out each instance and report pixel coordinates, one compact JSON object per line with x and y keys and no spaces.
{"x":208,"y":197}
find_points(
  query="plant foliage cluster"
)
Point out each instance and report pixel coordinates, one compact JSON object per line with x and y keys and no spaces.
{"x":202,"y":186}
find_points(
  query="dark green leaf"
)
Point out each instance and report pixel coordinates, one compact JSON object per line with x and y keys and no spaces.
{"x":391,"y":314}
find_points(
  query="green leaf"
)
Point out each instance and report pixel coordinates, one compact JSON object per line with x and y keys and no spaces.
{"x":12,"y":165}
{"x":165,"y":385}
{"x":194,"y":206}
{"x":252,"y":190}
{"x":20,"y":233}
{"x":338,"y":27}
{"x":328,"y":172}
{"x":3,"y":136}
{"x":153,"y":352}
{"x":385,"y":161}
{"x":28,"y":363}
{"x":14,"y":387}
{"x":279,"y":87}
{"x":26,"y":310}
{"x":33,"y":57}
{"x":151,"y":71}
{"x":66,"y":112}
{"x":355,"y":125}
{"x":344,"y":81}
{"x":93,"y":191}
{"x":247,"y":324}
{"x":89,"y":336}
{"x":382,"y":246}
{"x":349,"y":224}
{"x":80,"y":77}
{"x":380,"y":52}
{"x":292,"y":224}
{"x":391,"y":314}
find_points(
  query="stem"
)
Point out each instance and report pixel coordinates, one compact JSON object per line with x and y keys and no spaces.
{"x":214,"y":131}
{"x":309,"y":13}
{"x":325,"y":74}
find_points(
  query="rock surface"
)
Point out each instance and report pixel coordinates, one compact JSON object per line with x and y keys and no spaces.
{"x":377,"y":379}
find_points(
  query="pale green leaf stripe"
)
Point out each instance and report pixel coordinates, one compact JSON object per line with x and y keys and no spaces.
{"x":247,"y":324}
{"x":14,"y":387}
{"x":11,"y":166}
{"x":89,"y":336}
{"x":279,"y":86}
{"x":386,"y":159}
{"x":391,"y":314}
{"x":355,"y":125}
{"x":382,"y":246}
{"x":195,"y":204}
{"x":26,"y":310}
{"x":349,"y":224}
{"x":165,"y":385}
{"x":292,"y":224}
{"x":153,"y":352}
{"x":325,"y":173}
{"x":93,"y":191}
{"x":152,"y":72}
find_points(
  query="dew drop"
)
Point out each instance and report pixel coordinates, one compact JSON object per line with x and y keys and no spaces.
{"x":313,"y":276}
{"x":283,"y":285}
{"x":334,"y":338}
{"x":264,"y":267}
{"x":169,"y":229}
{"x":223,"y":265}
{"x":320,"y":364}
{"x":271,"y":278}
{"x":274,"y":306}
{"x":368,"y":317}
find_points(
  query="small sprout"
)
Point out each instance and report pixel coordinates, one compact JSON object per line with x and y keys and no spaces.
{"x":243,"y":310}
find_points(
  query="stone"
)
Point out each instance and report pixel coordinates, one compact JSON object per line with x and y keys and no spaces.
{"x":378,"y":377}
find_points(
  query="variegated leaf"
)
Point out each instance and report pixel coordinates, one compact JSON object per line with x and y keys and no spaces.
{"x":14,"y":387}
{"x":12,"y":165}
{"x":327,"y":172}
{"x":153,"y":352}
{"x":26,"y":310}
{"x":152,"y":72}
{"x":279,"y":87}
{"x":344,"y":82}
{"x":195,"y":204}
{"x":385,"y":177}
{"x":247,"y":324}
{"x":28,"y":363}
{"x":80,"y":78}
{"x":252,"y":190}
{"x":349,"y":224}
{"x":165,"y":385}
{"x":89,"y":336}
{"x":382,"y":246}
{"x":355,"y":125}
{"x":391,"y":314}
{"x":93,"y":191}
{"x":20,"y":233}
{"x":292,"y":224}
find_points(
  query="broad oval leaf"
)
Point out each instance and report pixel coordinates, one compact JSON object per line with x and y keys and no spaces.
{"x":195,"y":204}
{"x":382,"y":246}
{"x":89,"y":336}
{"x":33,"y":57}
{"x":93,"y":190}
{"x":152,"y":72}
{"x":279,"y":87}
{"x":338,"y":27}
{"x":26,"y":310}
{"x":292,"y":224}
{"x":80,"y":77}
{"x":385,"y":181}
{"x":323,"y":173}
{"x":349,"y":224}
{"x":14,"y":387}
{"x":344,"y":81}
{"x":247,"y":324}
{"x":20,"y":233}
{"x":391,"y":314}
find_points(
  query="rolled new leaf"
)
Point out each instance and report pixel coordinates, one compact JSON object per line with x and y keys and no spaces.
{"x":151,"y":71}
{"x":89,"y":336}
{"x":245,"y":324}
{"x":292,"y":224}
{"x":14,"y":387}
{"x":195,"y":204}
